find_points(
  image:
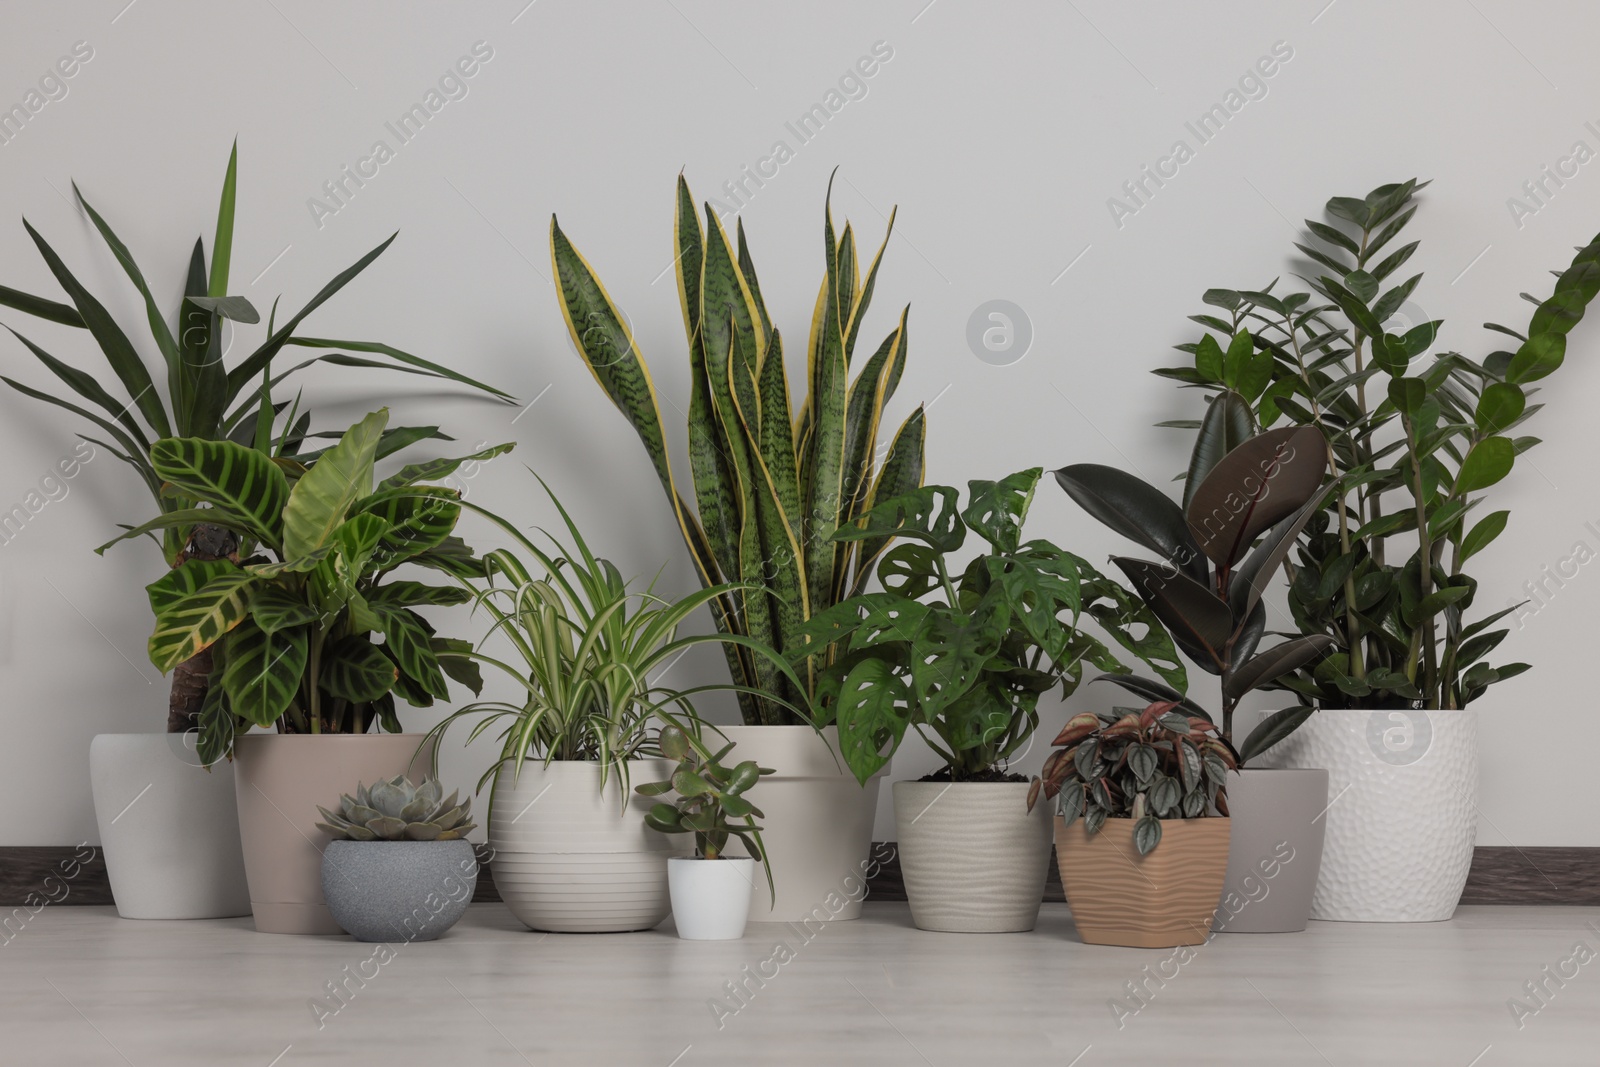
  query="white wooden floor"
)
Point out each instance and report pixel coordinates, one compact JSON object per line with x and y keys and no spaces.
{"x":78,"y":986}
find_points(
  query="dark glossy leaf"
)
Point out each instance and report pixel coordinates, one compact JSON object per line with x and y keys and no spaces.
{"x":1228,"y":423}
{"x":1276,"y":661}
{"x":1272,"y":729}
{"x":1257,"y":485}
{"x":1194,"y":615}
{"x":1136,"y":510}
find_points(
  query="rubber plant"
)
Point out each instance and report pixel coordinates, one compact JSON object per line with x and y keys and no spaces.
{"x":1411,"y":443}
{"x":769,"y":486}
{"x":291,"y":620}
{"x":1241,"y":487}
{"x":963,"y":657}
{"x":190,"y":392}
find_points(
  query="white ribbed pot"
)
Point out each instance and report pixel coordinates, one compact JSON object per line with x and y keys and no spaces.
{"x":973,"y":857}
{"x":817,"y":827}
{"x":1402,"y":810}
{"x":169,"y":828}
{"x":570,"y":857}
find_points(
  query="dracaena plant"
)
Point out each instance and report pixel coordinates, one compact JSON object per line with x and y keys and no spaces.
{"x":770,"y":486}
{"x":963,"y":657}
{"x":190,"y":391}
{"x":1145,"y":765}
{"x":294,"y":619}
{"x":1412,"y":441}
{"x":588,"y":653}
{"x":1241,"y":487}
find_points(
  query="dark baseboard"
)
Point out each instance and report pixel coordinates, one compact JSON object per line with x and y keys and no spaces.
{"x":1500,"y":875}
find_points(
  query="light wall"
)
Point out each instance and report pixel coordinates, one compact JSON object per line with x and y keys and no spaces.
{"x":1003,"y":132}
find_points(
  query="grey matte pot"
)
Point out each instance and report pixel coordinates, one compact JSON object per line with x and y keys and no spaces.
{"x":396,"y":891}
{"x":1275,"y":850}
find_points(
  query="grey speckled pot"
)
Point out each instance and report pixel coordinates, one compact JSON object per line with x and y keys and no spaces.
{"x":397,"y":891}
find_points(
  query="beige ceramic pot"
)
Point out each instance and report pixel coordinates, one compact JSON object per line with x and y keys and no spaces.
{"x":1162,"y":900}
{"x":280,"y":780}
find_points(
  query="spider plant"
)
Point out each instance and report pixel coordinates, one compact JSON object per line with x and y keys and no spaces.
{"x":589,"y":654}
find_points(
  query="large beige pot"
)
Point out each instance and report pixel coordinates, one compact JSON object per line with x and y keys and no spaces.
{"x":973,"y":856}
{"x":280,"y":780}
{"x":1162,"y":900}
{"x":574,"y":858}
{"x":818,"y":824}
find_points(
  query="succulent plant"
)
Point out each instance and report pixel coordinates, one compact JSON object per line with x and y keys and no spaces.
{"x":396,"y":810}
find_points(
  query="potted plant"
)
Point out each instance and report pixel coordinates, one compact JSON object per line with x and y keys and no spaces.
{"x":189,"y":392}
{"x":1140,"y":779}
{"x":1241,"y":488}
{"x":572,"y":850}
{"x":291,"y":622}
{"x":962,"y":657}
{"x":770,"y":486}
{"x":710,"y":890}
{"x":1413,"y":440}
{"x":398,"y":866}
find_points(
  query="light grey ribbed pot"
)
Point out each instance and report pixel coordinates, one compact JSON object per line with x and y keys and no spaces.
{"x":1274,"y":850}
{"x":397,"y":891}
{"x":973,"y":856}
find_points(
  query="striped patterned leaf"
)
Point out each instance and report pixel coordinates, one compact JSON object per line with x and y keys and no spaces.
{"x":273,"y":608}
{"x":900,"y":473}
{"x":184,"y":580}
{"x":408,"y":641}
{"x":241,"y":481}
{"x":263,"y":671}
{"x":858,"y":310}
{"x":200,"y":619}
{"x":726,"y":305}
{"x":433,"y":470}
{"x":823,"y":480}
{"x":333,"y":581}
{"x":353,"y":669}
{"x":419,"y":521}
{"x":291,"y":566}
{"x":325,"y":494}
{"x":402,"y":594}
{"x":748,"y":268}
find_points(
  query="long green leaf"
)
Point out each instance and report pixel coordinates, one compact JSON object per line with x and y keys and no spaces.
{"x":158,"y":325}
{"x":239,"y":480}
{"x":323,"y":496}
{"x":200,"y":619}
{"x":222,"y":245}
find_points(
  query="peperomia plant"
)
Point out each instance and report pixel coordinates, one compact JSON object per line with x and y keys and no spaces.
{"x":709,"y":793}
{"x":963,"y":658}
{"x":1145,"y":765}
{"x":292,"y":637}
{"x":1410,"y":447}
{"x":1241,"y":488}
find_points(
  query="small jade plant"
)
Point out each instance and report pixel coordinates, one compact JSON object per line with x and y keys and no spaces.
{"x":710,"y":794}
{"x":1142,"y":765}
{"x":396,"y":810}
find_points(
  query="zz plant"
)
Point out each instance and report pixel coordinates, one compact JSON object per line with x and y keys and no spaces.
{"x":1145,"y":765}
{"x":291,"y":619}
{"x":190,"y":391}
{"x":963,"y":656}
{"x":1411,"y":443}
{"x":770,"y":486}
{"x":1241,"y":487}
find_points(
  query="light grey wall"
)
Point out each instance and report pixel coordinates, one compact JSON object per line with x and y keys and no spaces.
{"x":1002,"y":131}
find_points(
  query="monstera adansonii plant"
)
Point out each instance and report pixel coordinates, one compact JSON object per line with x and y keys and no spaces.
{"x":1240,"y":487}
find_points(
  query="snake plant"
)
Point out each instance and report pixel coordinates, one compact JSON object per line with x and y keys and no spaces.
{"x":189,"y":392}
{"x":770,"y":486}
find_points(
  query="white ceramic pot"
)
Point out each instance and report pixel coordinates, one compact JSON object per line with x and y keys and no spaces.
{"x":818,"y":824}
{"x":1402,"y":810}
{"x":571,"y":858}
{"x":169,"y":828}
{"x":1274,"y":849}
{"x":973,"y":856}
{"x":711,"y":898}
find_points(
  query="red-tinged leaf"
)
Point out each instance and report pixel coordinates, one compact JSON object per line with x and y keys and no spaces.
{"x":1102,"y":793}
{"x":1077,"y":728}
{"x":1127,"y":726}
{"x":1222,"y":801}
{"x":1150,"y":714}
{"x":1033,"y":792}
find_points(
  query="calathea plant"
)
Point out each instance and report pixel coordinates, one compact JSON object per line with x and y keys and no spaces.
{"x":1411,"y":444}
{"x":963,"y":658}
{"x":292,"y":634}
{"x":1240,"y":487}
{"x":770,"y":486}
{"x":191,"y":392}
{"x":1145,"y":765}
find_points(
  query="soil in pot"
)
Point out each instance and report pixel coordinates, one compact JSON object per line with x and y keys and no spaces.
{"x":1161,"y":900}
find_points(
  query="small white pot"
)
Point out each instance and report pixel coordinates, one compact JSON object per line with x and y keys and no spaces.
{"x":973,"y":856}
{"x":711,"y":898}
{"x":818,"y":825}
{"x":1402,"y":810}
{"x":169,"y":827}
{"x":573,"y":858}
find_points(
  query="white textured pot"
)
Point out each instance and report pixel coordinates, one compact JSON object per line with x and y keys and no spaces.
{"x":169,"y":828}
{"x":1274,"y":849}
{"x":571,"y":858}
{"x":818,"y":824}
{"x":973,"y":856}
{"x":711,"y":898}
{"x":1402,"y":810}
